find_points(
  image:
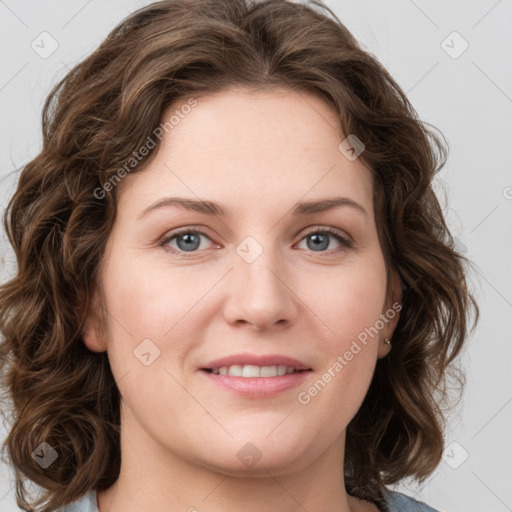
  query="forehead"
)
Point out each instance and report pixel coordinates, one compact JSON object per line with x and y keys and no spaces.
{"x":244,"y":145}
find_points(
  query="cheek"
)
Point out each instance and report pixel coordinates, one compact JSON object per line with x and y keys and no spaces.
{"x":349,"y":300}
{"x":350,"y":306}
{"x":150,"y":332}
{"x":156,"y":303}
{"x":351,"y":309}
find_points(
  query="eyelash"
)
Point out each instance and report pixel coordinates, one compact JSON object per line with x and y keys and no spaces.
{"x":345,"y":242}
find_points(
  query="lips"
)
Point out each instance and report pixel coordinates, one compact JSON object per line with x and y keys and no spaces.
{"x":256,"y":376}
{"x":256,"y":360}
{"x":251,"y":371}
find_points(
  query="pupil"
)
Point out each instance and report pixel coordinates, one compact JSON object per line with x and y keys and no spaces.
{"x":190,"y":243}
{"x":318,"y":243}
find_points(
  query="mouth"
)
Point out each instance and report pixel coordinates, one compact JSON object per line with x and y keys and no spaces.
{"x":253,"y":371}
{"x":254,"y":376}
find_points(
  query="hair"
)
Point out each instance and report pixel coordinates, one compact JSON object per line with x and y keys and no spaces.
{"x":93,"y":121}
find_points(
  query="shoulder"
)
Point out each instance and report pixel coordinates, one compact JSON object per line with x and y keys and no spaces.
{"x":87,"y":503}
{"x":398,"y":502}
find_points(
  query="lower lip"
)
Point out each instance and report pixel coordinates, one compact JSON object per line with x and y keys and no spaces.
{"x":258,"y":387}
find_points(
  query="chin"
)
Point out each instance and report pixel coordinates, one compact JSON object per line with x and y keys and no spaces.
{"x":255,"y":456}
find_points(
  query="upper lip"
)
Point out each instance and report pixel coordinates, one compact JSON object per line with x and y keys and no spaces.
{"x":256,"y":360}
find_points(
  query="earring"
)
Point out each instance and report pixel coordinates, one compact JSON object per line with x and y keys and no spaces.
{"x":386,"y":340}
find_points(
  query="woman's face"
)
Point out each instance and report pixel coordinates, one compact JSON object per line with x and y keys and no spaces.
{"x":261,"y":284}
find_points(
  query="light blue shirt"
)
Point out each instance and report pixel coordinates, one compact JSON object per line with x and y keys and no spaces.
{"x":397,"y":502}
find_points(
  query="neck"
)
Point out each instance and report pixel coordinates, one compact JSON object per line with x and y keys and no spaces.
{"x":153,"y":477}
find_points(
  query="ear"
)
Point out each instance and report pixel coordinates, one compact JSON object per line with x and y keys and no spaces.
{"x":93,"y":332}
{"x":391,"y":313}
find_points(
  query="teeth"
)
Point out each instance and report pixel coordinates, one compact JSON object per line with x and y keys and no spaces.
{"x":236,"y":371}
{"x":281,"y":370}
{"x":250,"y":370}
{"x":268,"y":371}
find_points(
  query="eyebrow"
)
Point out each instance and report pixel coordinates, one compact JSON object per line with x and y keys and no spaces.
{"x":211,"y":208}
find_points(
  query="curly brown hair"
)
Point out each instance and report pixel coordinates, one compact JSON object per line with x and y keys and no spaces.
{"x":57,"y":391}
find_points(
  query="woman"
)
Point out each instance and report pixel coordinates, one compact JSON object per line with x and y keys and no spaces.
{"x":236,"y":288}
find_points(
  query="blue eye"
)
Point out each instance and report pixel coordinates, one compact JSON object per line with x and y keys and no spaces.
{"x":320,"y":240}
{"x":189,"y":241}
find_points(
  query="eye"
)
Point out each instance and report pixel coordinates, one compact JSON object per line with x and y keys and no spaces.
{"x":187,"y":240}
{"x":319,"y":240}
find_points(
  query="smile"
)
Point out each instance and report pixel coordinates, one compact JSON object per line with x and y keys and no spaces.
{"x":252,"y":371}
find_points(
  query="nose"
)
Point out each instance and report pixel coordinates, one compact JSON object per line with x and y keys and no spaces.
{"x":260,"y":293}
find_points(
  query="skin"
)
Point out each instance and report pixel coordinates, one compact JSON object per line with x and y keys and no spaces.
{"x":257,"y":154}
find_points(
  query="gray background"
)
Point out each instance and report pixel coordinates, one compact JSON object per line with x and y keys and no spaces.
{"x":467,"y":95}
